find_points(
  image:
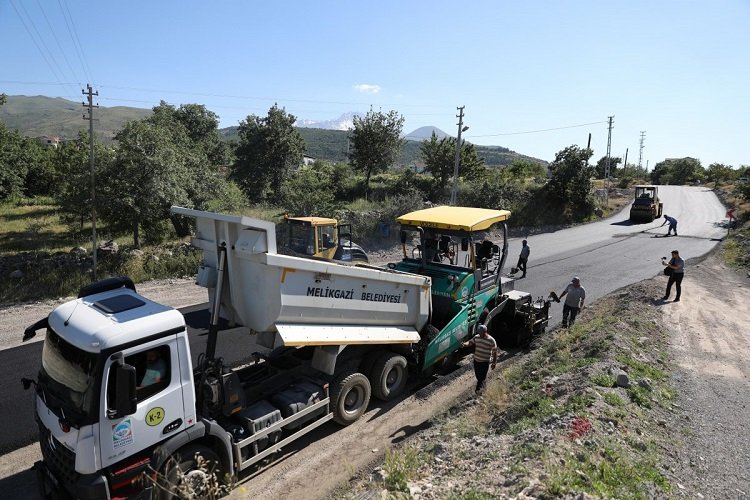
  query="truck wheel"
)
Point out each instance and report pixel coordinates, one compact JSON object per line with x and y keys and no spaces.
{"x":368,"y":361}
{"x":182,"y":475}
{"x":389,"y":376}
{"x":350,"y":395}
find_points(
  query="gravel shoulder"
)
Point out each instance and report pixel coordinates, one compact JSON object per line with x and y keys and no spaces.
{"x":710,"y":345}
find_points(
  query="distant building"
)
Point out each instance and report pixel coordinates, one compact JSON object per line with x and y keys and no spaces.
{"x":49,"y":141}
{"x":307,"y":160}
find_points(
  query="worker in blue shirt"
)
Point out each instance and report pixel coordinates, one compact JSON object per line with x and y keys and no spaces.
{"x":672,"y":224}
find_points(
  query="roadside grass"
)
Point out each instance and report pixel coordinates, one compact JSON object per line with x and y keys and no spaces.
{"x":603,"y":380}
{"x":402,"y":465}
{"x":473,"y":494}
{"x":34,"y":227}
{"x":42,"y":279}
{"x":613,"y":399}
{"x":609,"y":472}
{"x":35,"y":241}
{"x":736,"y":246}
{"x":568,"y":429}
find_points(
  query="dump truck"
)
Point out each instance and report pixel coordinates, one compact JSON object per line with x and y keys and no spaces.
{"x":123,"y":411}
{"x":320,"y":237}
{"x":646,"y":206}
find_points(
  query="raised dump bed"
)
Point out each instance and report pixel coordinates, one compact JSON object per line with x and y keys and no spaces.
{"x":298,"y":301}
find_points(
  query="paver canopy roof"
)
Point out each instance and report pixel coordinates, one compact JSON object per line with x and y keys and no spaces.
{"x":455,"y":218}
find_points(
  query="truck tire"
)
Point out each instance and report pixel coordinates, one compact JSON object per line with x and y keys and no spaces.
{"x":350,"y":395}
{"x":182,"y":476}
{"x":389,"y":376}
{"x":368,"y":362}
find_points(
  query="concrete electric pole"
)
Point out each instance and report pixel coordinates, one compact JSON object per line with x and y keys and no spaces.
{"x":609,"y":150}
{"x":640,"y":154}
{"x":89,"y":93}
{"x":461,"y":128}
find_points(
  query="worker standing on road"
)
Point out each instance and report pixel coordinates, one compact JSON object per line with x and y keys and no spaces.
{"x":677,"y":265}
{"x":523,"y":258}
{"x":576,"y":294}
{"x":672,"y":224}
{"x":485,"y":354}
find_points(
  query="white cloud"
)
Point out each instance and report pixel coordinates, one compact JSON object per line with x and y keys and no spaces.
{"x":366,"y":88}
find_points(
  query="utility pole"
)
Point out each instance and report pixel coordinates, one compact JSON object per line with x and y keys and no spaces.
{"x":609,"y":149}
{"x":625,"y":163}
{"x":640,"y":155}
{"x":89,"y":93}
{"x":460,"y":116}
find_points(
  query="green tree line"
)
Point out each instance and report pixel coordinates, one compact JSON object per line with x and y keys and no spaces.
{"x":176,"y":156}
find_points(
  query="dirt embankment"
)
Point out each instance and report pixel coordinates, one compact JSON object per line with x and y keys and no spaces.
{"x":643,"y":398}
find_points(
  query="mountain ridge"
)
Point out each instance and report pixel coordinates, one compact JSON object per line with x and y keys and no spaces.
{"x":38,"y":116}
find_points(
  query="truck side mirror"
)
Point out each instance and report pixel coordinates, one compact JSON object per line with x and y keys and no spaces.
{"x":125,"y":399}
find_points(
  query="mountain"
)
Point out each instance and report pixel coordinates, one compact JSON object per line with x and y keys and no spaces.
{"x":425,"y":133}
{"x":36,"y":116}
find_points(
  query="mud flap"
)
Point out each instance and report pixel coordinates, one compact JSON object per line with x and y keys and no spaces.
{"x":48,"y":486}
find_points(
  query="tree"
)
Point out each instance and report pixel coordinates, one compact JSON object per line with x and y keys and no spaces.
{"x":631,"y":171}
{"x":376,"y":142}
{"x":601,"y":167}
{"x":14,"y":163}
{"x":200,"y":126}
{"x":440,"y":159}
{"x":570,"y":179}
{"x":718,"y":172}
{"x":677,"y":171}
{"x":522,"y":169}
{"x":308,"y":191}
{"x":269,"y":147}
{"x":73,"y":169}
{"x":149,"y":174}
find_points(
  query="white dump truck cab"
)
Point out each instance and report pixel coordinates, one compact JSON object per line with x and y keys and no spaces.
{"x":115,"y":380}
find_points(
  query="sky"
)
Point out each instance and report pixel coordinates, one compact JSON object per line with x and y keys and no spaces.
{"x":533,"y":76}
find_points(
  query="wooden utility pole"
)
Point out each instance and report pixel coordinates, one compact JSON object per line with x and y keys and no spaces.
{"x":89,"y":93}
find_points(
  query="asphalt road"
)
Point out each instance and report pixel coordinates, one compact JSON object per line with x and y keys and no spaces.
{"x":606,"y":255}
{"x":613,"y":253}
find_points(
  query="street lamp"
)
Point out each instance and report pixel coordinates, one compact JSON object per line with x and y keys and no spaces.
{"x":461,"y":128}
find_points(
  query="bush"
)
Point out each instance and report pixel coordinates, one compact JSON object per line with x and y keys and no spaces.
{"x":62,"y":274}
{"x":365,"y":218}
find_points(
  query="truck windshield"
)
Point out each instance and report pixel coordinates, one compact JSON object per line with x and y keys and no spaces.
{"x":68,"y":373}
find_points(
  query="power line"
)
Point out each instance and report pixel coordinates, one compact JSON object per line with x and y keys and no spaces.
{"x":57,"y":41}
{"x":74,"y":37}
{"x":259,"y":98}
{"x":540,"y":130}
{"x":43,"y":51}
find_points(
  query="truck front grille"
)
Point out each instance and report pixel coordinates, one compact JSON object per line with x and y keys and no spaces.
{"x":57,"y":457}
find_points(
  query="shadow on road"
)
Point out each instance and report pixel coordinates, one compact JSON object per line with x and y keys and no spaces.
{"x":17,"y":405}
{"x":19,"y":486}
